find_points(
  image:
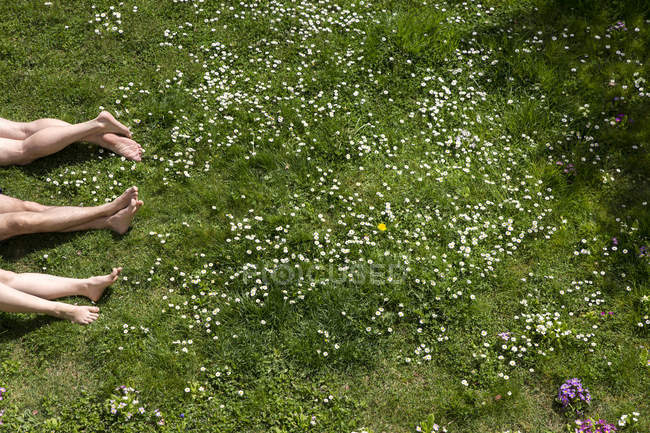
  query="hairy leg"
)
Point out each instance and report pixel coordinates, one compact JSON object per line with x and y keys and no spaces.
{"x":58,"y":219}
{"x":118,"y":222}
{"x":15,"y":301}
{"x":10,"y":204}
{"x":53,"y":287}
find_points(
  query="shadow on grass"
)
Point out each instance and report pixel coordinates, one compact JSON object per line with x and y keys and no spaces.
{"x":622,"y":144}
{"x":19,"y":247}
{"x":75,"y":154}
{"x":13,"y":327}
{"x":16,"y":248}
{"x":609,"y":160}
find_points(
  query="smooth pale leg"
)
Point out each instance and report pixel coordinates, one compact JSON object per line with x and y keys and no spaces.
{"x":44,"y":142}
{"x":15,"y":301}
{"x":52,"y":139}
{"x":122,"y":145}
{"x":53,"y":287}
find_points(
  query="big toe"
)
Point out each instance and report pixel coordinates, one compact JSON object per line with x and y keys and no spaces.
{"x":129,"y":192}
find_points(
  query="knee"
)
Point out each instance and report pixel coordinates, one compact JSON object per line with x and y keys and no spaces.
{"x":16,"y":153}
{"x":26,"y":129}
{"x":6,"y":276}
{"x":21,"y":155}
{"x":30,"y":206}
{"x":30,"y":128}
{"x":19,"y":223}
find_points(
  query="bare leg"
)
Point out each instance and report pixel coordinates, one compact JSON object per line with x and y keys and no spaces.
{"x":122,"y":145}
{"x":14,"y":130}
{"x":52,"y":139}
{"x":15,"y":301}
{"x":10,"y":204}
{"x":119,"y":222}
{"x":53,"y":287}
{"x":58,"y":219}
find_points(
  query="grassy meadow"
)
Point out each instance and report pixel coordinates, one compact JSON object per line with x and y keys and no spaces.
{"x":359,"y":215}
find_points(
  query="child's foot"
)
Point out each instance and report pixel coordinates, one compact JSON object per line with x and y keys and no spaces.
{"x":97,"y":285}
{"x":81,"y":315}
{"x":121,"y":221}
{"x":110,"y":124}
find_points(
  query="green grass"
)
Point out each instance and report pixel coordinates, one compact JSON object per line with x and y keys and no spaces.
{"x":278,"y":135}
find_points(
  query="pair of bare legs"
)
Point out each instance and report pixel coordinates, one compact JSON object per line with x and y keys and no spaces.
{"x":22,"y":143}
{"x":18,"y":217}
{"x":34,"y":293}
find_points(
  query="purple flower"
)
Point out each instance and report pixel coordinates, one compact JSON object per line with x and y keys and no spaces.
{"x":592,"y":426}
{"x":573,"y":394}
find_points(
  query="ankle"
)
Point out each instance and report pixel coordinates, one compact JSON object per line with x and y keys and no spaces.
{"x":108,"y":210}
{"x":97,"y":126}
{"x":61,"y":310}
{"x":84,"y":288}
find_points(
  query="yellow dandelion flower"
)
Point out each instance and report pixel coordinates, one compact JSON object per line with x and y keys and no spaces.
{"x":382,"y":227}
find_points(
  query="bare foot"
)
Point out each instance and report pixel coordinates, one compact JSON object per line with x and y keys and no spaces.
{"x":110,"y":124}
{"x":121,"y":145}
{"x":121,"y":221}
{"x":122,"y":201}
{"x":81,"y":314}
{"x":97,"y":285}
